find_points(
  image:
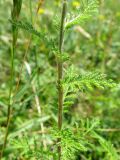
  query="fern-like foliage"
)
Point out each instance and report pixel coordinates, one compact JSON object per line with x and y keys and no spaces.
{"x":89,"y":80}
{"x":30,"y":149}
{"x":48,"y":40}
{"x":72,"y":83}
{"x":56,"y":23}
{"x":63,"y":57}
{"x":26,"y":26}
{"x":111,"y":152}
{"x":70,"y":142}
{"x":74,"y":139}
{"x":90,"y":10}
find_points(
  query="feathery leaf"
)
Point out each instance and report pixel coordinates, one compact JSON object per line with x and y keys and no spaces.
{"x":90,"y":10}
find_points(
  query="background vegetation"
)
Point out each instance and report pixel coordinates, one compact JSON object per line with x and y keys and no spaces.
{"x":91,"y":123}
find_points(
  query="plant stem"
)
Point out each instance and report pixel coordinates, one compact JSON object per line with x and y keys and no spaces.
{"x":28,"y":45}
{"x":60,"y":74}
{"x":30,"y":4}
{"x":17,"y":4}
{"x":10,"y":103}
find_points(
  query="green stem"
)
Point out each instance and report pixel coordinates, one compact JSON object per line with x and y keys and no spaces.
{"x":31,"y":15}
{"x":15,"y":16}
{"x":10,"y":103}
{"x":60,"y":74}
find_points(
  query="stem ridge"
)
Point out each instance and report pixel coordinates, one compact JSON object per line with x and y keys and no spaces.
{"x":60,"y":74}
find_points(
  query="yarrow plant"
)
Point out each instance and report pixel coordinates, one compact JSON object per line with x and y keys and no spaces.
{"x":67,"y":142}
{"x":71,"y":82}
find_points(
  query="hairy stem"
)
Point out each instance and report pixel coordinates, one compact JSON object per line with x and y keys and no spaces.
{"x":60,"y":74}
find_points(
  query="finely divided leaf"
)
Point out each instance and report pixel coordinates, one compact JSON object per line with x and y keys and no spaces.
{"x":90,"y":10}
